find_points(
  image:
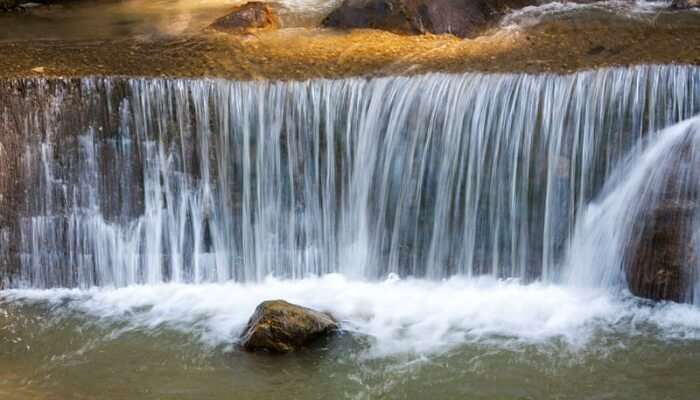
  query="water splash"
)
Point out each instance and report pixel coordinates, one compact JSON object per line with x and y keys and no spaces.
{"x":398,"y":316}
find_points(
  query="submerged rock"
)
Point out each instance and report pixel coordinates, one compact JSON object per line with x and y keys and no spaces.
{"x":461,"y":18}
{"x":252,"y":15}
{"x":281,"y":327}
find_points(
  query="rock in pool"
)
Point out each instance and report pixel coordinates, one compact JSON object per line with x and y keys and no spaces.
{"x":280,"y":327}
{"x":250,"y":16}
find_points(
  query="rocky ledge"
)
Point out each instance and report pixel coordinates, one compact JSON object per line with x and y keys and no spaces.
{"x":577,"y":41}
{"x":551,"y":47}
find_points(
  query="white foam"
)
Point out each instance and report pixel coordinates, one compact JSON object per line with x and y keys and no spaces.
{"x":532,"y":15}
{"x":399,"y":315}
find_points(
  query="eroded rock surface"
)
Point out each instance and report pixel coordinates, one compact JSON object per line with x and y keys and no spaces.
{"x":282,"y":327}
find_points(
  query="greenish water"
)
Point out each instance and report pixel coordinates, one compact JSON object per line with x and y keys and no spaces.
{"x":111,"y":344}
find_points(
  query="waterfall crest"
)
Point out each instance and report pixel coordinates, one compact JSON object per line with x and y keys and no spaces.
{"x":145,"y":180}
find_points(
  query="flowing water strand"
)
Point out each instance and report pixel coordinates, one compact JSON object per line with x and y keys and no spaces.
{"x":149,"y":180}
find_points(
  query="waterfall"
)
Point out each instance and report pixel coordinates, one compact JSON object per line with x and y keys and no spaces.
{"x":124,"y":181}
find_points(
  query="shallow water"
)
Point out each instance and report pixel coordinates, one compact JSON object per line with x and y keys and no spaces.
{"x":479,"y":338}
{"x":141,"y":19}
{"x":148,"y":20}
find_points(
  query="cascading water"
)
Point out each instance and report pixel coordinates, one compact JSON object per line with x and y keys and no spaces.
{"x":143,"y":181}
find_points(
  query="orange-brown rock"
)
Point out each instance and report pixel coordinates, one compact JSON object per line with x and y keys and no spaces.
{"x":250,"y":16}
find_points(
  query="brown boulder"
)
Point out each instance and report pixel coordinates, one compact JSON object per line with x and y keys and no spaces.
{"x":661,"y":258}
{"x":461,"y":18}
{"x":249,"y":16}
{"x":281,"y":327}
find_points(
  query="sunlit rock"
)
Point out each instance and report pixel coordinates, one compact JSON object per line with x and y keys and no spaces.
{"x":281,"y":327}
{"x":249,"y":16}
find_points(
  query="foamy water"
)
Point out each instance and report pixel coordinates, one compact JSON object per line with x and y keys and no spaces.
{"x":399,"y":316}
{"x":532,"y":15}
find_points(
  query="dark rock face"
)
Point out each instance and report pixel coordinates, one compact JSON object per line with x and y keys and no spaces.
{"x":14,"y":5}
{"x":252,"y":15}
{"x":662,"y":255}
{"x":388,"y":15}
{"x":684,"y":4}
{"x":8,"y":4}
{"x":660,"y":259}
{"x":281,"y":327}
{"x":461,"y":18}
